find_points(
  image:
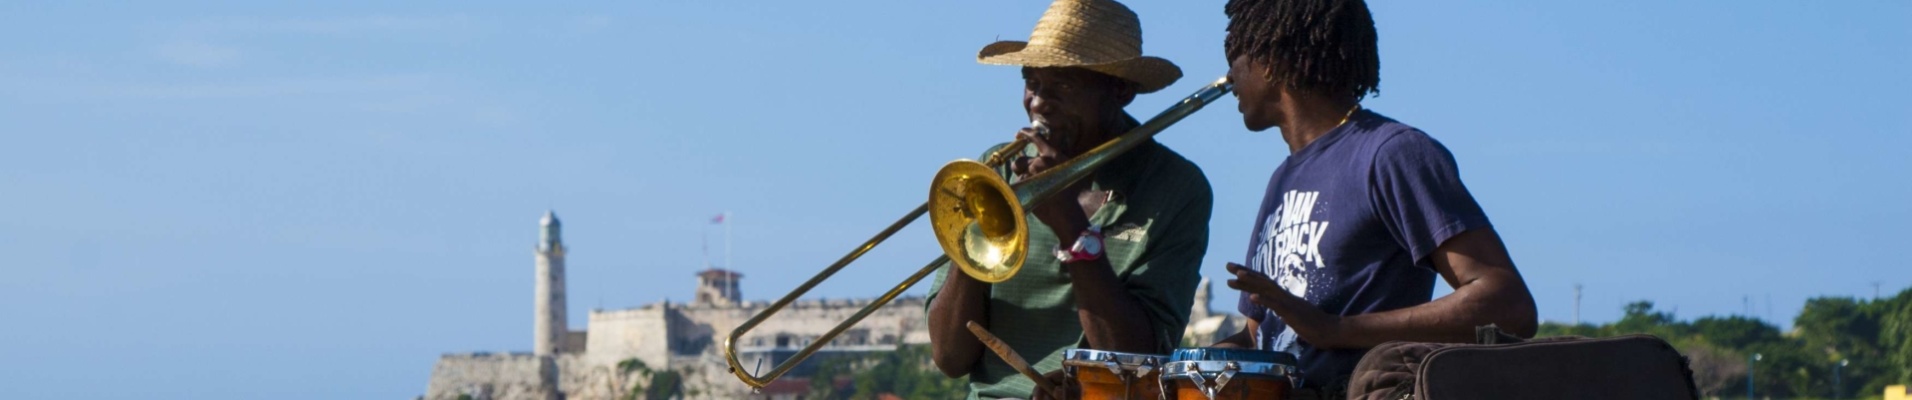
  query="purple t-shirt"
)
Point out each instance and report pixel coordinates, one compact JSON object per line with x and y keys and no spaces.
{"x":1348,"y":222}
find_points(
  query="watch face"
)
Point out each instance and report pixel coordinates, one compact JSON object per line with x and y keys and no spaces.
{"x":1091,"y":244}
{"x":1086,"y":247}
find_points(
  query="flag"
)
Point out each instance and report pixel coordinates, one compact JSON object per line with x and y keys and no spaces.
{"x":718,"y":219}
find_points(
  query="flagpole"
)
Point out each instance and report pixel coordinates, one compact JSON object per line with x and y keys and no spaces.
{"x":727,"y":264}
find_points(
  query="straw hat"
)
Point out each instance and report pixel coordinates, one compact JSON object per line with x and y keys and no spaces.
{"x":1100,"y":35}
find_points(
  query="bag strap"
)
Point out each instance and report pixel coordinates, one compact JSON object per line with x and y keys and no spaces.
{"x":1491,"y":334}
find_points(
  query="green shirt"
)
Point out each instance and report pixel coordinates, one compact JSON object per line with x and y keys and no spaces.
{"x":1155,"y":229}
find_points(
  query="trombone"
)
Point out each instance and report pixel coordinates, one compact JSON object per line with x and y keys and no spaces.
{"x":978,"y":220}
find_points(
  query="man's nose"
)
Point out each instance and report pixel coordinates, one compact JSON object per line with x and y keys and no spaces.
{"x":1040,"y":105}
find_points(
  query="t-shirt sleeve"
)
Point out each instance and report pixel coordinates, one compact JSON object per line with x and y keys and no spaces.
{"x":1418,"y":194}
{"x":1164,"y":279}
{"x":936,"y":286}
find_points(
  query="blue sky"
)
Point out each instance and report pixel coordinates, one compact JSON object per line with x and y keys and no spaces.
{"x":236,"y":200}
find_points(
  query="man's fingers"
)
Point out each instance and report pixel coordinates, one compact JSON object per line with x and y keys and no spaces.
{"x":1249,"y":280}
{"x":1042,"y":146}
{"x":1234,"y":268}
{"x":1250,"y":286}
{"x":1045,"y":155}
{"x":1058,"y":381}
{"x":1261,"y":284}
{"x":1263,"y":301}
{"x":1039,"y":163}
{"x":1244,"y":273}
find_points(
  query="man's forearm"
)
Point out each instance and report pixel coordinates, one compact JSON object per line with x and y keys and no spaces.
{"x":1491,"y":299}
{"x":962,"y":299}
{"x":1111,"y":318}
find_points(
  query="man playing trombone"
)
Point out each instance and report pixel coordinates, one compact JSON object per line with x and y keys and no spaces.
{"x":1114,"y":259}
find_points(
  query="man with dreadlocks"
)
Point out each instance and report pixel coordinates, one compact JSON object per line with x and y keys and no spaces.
{"x":1362,"y":214}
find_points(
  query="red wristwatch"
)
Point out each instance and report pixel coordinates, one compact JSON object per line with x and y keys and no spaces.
{"x":1087,"y":247}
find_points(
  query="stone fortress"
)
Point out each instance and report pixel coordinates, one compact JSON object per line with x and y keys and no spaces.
{"x":687,"y":338}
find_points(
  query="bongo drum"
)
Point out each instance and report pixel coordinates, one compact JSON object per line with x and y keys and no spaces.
{"x":1114,"y":375}
{"x":1216,"y":373}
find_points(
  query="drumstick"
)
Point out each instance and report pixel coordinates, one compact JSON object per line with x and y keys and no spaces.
{"x":1009,"y":356}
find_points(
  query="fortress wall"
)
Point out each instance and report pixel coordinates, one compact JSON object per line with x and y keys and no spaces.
{"x":901,"y":321}
{"x":584,"y":377}
{"x":496,"y":376}
{"x":515,"y":377}
{"x":683,"y":338}
{"x":641,"y":333}
{"x":576,"y":341}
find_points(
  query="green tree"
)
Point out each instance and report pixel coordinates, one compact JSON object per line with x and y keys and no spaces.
{"x":1787,"y":369}
{"x":664,"y":385}
{"x":906,"y":372}
{"x":1714,"y":369}
{"x":632,"y":366}
{"x":1735,"y":332}
{"x":1896,"y":338}
{"x":1845,"y":329}
{"x":1839,"y":326}
{"x":650,"y":385}
{"x":1559,"y":329}
{"x":823,"y":379}
{"x":1643,"y":318}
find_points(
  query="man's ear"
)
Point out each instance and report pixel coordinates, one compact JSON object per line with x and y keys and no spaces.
{"x":1267,"y":73}
{"x":1126,"y":93}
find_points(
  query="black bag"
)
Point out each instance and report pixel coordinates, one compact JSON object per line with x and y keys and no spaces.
{"x":1502,"y":366}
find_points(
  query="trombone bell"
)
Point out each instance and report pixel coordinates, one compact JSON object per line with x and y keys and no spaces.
{"x":978,"y":221}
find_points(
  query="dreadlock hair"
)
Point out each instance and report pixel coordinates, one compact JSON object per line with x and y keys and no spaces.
{"x":1319,"y":46}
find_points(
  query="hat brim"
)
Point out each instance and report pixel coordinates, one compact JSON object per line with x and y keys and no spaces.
{"x":1149,"y":73}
